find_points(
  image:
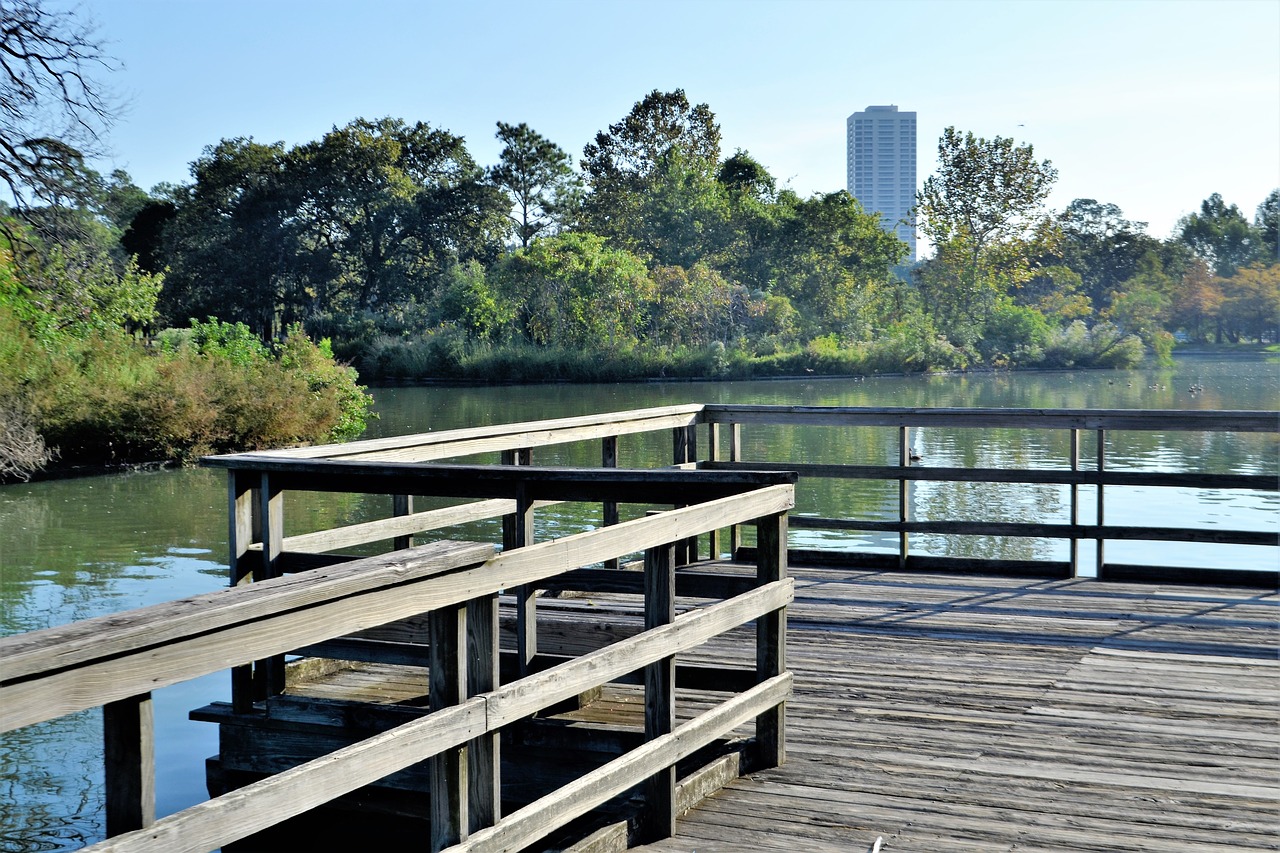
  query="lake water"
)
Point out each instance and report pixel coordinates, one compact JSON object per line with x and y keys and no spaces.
{"x":72,"y":549}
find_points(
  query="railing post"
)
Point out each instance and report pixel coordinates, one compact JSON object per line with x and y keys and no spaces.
{"x":609,"y":510}
{"x":684,"y":450}
{"x":450,"y":790}
{"x":484,"y":757}
{"x":904,"y":494}
{"x":402,"y":505}
{"x":1102,"y":465}
{"x":128,"y":734}
{"x":735,"y":455}
{"x":1075,"y":503}
{"x":517,"y":531}
{"x":713,"y":453}
{"x":771,"y":638}
{"x":269,"y":673}
{"x":245,"y":529}
{"x":659,"y":691}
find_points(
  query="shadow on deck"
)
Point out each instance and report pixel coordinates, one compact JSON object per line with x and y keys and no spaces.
{"x":947,"y":713}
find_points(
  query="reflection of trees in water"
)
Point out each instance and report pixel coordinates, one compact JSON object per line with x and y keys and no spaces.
{"x":52,"y":798}
{"x":1004,"y":502}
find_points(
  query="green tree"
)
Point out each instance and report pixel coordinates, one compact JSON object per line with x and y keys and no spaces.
{"x":468,"y":301}
{"x":232,"y":245}
{"x":1142,"y":305}
{"x":682,"y":218}
{"x":1267,"y":223}
{"x":1221,"y":236}
{"x":694,"y":307}
{"x":572,"y":290}
{"x":834,"y":263}
{"x":1102,"y":246}
{"x":78,"y":290}
{"x":384,"y":206}
{"x":985,"y":201}
{"x":625,"y":161}
{"x":538,"y":177}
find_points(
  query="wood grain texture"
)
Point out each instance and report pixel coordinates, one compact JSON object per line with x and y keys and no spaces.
{"x":977,"y":713}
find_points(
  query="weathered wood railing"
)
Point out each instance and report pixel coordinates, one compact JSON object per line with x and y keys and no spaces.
{"x":1101,"y":423}
{"x":116,"y":661}
{"x":517,"y":442}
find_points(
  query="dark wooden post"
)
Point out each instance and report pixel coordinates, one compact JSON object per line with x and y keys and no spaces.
{"x":268,"y":675}
{"x":684,"y":450}
{"x":1102,"y":466}
{"x":1075,"y":503}
{"x":245,"y":529}
{"x":402,"y":505}
{"x":771,"y":639}
{"x":483,"y":753}
{"x":517,"y":531}
{"x":904,"y":494}
{"x":609,"y":511}
{"x":659,"y":690}
{"x":128,"y":732}
{"x":450,"y":789}
{"x":713,"y":453}
{"x":735,"y":455}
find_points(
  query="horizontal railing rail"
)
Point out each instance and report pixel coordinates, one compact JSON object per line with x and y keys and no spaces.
{"x":448,"y":444}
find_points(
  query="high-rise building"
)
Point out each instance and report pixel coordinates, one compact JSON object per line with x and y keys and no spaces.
{"x":882,"y":167}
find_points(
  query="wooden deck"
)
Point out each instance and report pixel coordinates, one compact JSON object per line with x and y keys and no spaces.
{"x":976,"y":713}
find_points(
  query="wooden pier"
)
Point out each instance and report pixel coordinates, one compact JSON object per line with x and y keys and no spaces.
{"x":949,"y":713}
{"x":594,"y":691}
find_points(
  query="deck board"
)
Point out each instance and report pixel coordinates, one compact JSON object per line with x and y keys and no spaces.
{"x":949,"y":713}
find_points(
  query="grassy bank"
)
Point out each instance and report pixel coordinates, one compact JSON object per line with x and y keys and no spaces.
{"x":444,"y":355}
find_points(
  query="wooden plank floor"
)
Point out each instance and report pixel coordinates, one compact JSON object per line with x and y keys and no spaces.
{"x":966,"y":713}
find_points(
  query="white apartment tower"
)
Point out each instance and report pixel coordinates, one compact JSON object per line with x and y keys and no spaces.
{"x":882,"y":167}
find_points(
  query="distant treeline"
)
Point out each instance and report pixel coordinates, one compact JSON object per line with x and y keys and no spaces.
{"x":657,"y":254}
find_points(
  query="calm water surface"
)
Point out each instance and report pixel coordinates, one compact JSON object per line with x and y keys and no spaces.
{"x":78,"y":548}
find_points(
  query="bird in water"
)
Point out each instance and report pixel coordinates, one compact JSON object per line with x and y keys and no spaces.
{"x":914,"y":455}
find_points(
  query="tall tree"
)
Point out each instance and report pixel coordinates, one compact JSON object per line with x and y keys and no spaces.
{"x":756,"y":210}
{"x":52,"y":110}
{"x":834,"y":262}
{"x":631,"y":149}
{"x":986,"y":197}
{"x":1220,"y":235}
{"x":537,"y":175}
{"x":232,"y":245}
{"x":1104,"y":247}
{"x":1267,"y":222}
{"x":384,"y":206}
{"x":574,"y":291}
{"x":625,"y":162}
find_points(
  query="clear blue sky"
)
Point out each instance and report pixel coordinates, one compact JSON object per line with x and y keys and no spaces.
{"x":1148,"y":104}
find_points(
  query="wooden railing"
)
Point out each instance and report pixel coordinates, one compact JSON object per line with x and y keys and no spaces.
{"x":116,"y":661}
{"x":1073,"y":474}
{"x":1085,"y":479}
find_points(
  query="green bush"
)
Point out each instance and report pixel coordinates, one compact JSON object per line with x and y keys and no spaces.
{"x":213,"y":388}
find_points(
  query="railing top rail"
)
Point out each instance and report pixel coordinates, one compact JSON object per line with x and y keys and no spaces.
{"x":496,"y":437}
{"x":626,"y":485}
{"x":1127,"y":419}
{"x":48,"y":650}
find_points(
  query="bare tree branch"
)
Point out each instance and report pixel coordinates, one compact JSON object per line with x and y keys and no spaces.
{"x":52,"y":112}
